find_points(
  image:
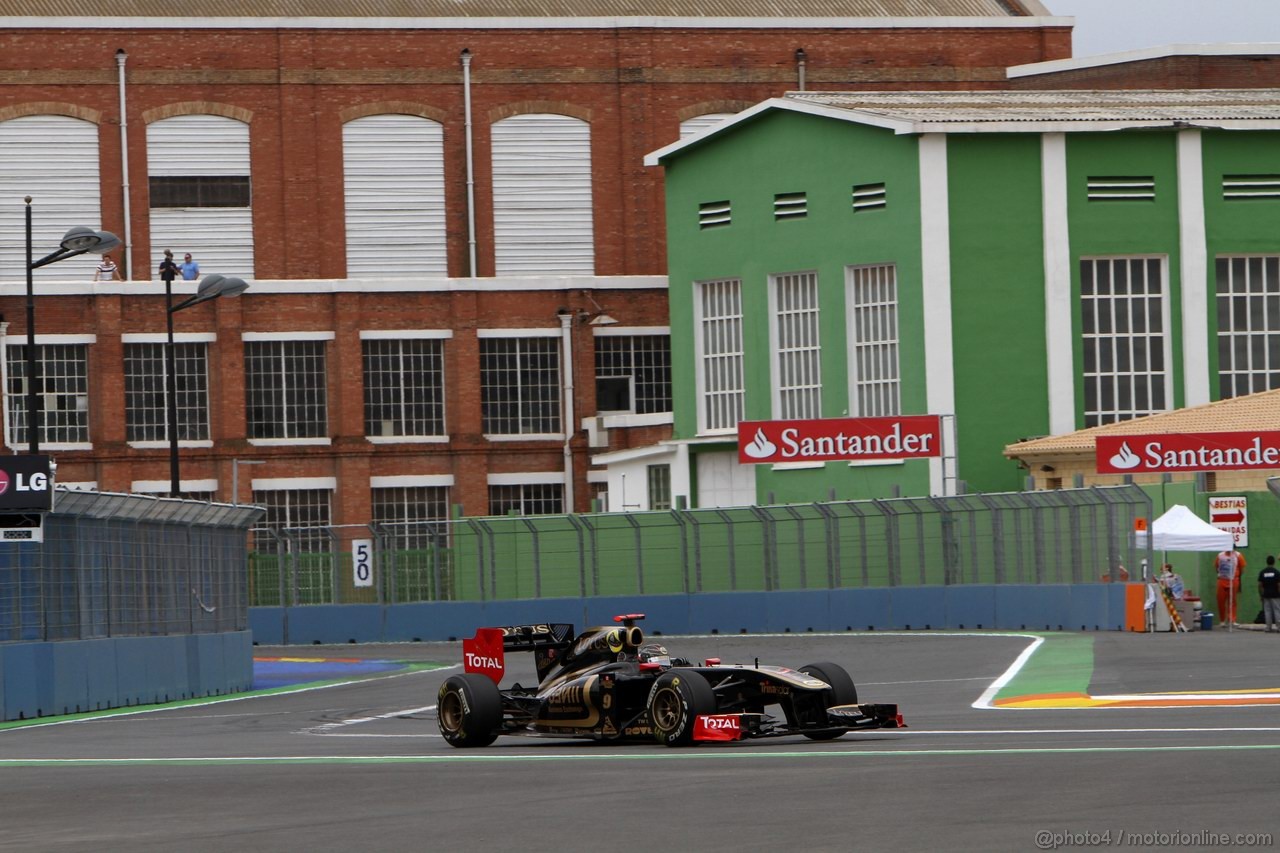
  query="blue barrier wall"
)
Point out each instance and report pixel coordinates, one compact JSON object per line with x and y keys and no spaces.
{"x":69,"y":676}
{"x":1068,"y":607}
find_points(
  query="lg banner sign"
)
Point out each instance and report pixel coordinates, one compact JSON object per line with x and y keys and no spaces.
{"x":26,"y":484}
{"x":834,"y":439}
{"x":1187,"y":452}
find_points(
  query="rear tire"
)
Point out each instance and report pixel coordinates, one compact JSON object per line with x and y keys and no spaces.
{"x":469,"y":710}
{"x":841,"y":691}
{"x":676,"y":700}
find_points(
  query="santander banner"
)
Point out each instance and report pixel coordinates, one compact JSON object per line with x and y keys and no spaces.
{"x":1184,"y":452}
{"x":830,"y":439}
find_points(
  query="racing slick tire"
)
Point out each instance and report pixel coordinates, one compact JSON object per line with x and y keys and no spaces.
{"x":842,"y":692}
{"x":676,"y":700}
{"x":469,"y":710}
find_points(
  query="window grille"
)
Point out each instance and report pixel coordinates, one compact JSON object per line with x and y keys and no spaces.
{"x":1248,"y":302}
{"x":1120,"y":188}
{"x":408,"y":512}
{"x":720,"y":357}
{"x":200,"y":191}
{"x":1239,"y":187}
{"x":633,"y":373}
{"x":520,"y":385}
{"x":301,"y":515}
{"x":64,"y":401}
{"x":797,"y":353}
{"x":527,"y":499}
{"x":285,"y":389}
{"x":790,"y":206}
{"x":714,"y":214}
{"x":1122,"y":324}
{"x":873,"y":341}
{"x":404,"y":387}
{"x":146,"y":408}
{"x":869,"y":197}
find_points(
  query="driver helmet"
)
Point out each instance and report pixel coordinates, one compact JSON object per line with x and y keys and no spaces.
{"x":654,"y":653}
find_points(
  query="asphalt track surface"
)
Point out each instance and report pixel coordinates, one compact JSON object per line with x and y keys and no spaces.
{"x":359,"y":765}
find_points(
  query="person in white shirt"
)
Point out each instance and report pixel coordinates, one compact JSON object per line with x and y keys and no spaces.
{"x":107,"y":270}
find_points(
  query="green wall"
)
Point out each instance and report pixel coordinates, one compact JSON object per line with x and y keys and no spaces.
{"x":1125,"y":227}
{"x":783,"y":152}
{"x":1236,"y":227}
{"x":997,"y":302}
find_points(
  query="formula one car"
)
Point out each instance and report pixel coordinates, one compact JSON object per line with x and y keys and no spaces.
{"x":608,"y":684}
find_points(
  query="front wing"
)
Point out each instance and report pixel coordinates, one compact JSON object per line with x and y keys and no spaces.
{"x":728,"y":727}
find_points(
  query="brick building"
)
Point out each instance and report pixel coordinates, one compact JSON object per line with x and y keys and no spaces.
{"x":1175,"y":66}
{"x":439,"y":207}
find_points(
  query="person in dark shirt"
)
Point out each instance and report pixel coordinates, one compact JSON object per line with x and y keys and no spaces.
{"x":1269,"y":590}
{"x":168,"y":269}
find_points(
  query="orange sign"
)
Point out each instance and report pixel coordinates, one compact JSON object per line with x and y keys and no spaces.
{"x":1139,"y":524}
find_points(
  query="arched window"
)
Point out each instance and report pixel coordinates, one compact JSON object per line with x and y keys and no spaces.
{"x":53,"y":159}
{"x":201,"y":193}
{"x":542,"y":195}
{"x":393,"y":180}
{"x":697,"y":124}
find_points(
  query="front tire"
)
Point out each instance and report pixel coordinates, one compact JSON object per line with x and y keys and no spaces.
{"x":841,"y":692}
{"x":676,"y":700}
{"x":469,"y":710}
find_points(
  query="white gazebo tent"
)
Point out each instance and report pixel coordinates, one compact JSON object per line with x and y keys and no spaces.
{"x":1180,"y":529}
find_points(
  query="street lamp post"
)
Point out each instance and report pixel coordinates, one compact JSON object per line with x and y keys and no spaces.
{"x":210,"y":287}
{"x":76,"y":241}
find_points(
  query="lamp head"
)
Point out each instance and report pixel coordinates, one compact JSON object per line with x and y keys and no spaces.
{"x":80,"y":238}
{"x":603,"y":319}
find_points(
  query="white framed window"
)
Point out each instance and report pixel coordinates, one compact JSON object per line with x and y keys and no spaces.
{"x":1248,"y":302}
{"x":718,"y":330}
{"x":797,"y":353}
{"x":1123,"y":317}
{"x":697,"y":124}
{"x":63,"y":362}
{"x":633,"y":372}
{"x":413,"y":516}
{"x":658,"y":480}
{"x":875,"y":381}
{"x":542,"y":206}
{"x":192,"y":490}
{"x":527,"y":499}
{"x":403,"y":387}
{"x":393,"y":187}
{"x":53,"y":159}
{"x":520,"y":385}
{"x":200,"y":191}
{"x":146,"y":372}
{"x":300,"y":511}
{"x":286,"y":390}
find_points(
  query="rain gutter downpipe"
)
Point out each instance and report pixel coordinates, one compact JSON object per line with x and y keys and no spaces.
{"x":121,"y":56}
{"x":801,"y":57}
{"x":471,"y":177}
{"x":566,"y":338}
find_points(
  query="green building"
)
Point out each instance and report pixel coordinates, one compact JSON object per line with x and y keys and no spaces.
{"x":1021,"y":263}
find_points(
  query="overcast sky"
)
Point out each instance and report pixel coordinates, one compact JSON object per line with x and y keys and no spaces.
{"x":1107,"y":26}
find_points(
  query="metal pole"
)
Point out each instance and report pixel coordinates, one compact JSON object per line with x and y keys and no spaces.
{"x":171,"y":381}
{"x":33,"y":367}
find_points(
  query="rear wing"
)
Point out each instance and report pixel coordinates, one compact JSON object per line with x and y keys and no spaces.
{"x":485,"y":653}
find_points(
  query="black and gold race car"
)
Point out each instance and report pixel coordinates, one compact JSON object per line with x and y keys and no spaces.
{"x":609,"y":684}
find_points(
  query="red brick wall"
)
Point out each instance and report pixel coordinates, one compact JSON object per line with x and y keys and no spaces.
{"x":1170,"y":72}
{"x":298,"y":84}
{"x":296,"y":87}
{"x":468,"y":456}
